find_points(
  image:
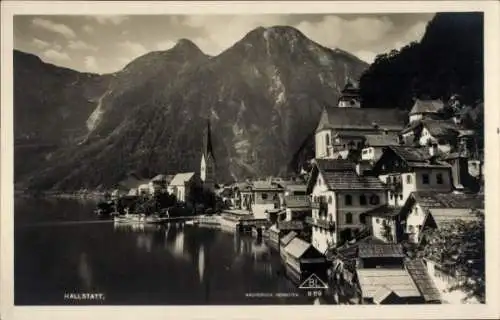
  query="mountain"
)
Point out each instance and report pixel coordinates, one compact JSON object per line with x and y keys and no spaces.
{"x":263,"y":96}
{"x":51,"y":106}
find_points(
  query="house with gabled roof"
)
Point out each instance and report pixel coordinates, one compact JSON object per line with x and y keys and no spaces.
{"x":425,"y":108}
{"x":429,"y":209}
{"x":343,"y":128}
{"x":297,"y":207}
{"x":407,"y":169}
{"x":302,"y":259}
{"x":183,"y":185}
{"x":340,"y":191}
{"x":443,"y":133}
{"x":374,"y":143}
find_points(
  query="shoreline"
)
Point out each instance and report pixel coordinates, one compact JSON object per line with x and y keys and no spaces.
{"x":83,"y":194}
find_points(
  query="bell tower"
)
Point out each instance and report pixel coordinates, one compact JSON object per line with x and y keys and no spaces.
{"x":207,"y":167}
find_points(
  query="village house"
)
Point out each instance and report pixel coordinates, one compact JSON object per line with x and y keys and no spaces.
{"x":429,"y":208}
{"x":340,"y":192}
{"x":265,"y":196}
{"x":375,"y":143}
{"x":343,"y":128}
{"x":406,"y":169}
{"x":302,"y":260}
{"x":384,"y":223}
{"x":183,"y":184}
{"x":159,"y":183}
{"x":443,"y":133}
{"x":425,"y":109}
{"x":297,"y":207}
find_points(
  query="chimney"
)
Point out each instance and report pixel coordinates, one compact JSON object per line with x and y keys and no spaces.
{"x":433,"y":149}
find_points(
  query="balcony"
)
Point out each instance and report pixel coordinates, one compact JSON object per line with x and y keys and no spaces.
{"x":395,"y":185}
{"x":321,"y":223}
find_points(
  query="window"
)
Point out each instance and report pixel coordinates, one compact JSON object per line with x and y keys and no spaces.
{"x":362,"y":218}
{"x":348,"y":218}
{"x":348,"y":200}
{"x":390,"y":196}
{"x":439,"y":178}
{"x":264,"y":196}
{"x":425,"y":178}
{"x":330,"y":199}
{"x":377,"y":220}
{"x":408,"y":179}
{"x":400,"y":197}
{"x":362,"y":199}
{"x":374,"y":199}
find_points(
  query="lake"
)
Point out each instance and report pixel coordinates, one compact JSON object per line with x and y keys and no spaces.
{"x":61,"y":248}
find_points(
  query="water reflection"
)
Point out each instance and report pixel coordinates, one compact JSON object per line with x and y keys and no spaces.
{"x":201,"y":262}
{"x":84,"y":271}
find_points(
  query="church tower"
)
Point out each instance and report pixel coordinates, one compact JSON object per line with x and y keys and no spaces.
{"x":207,"y":169}
{"x":349,"y":97}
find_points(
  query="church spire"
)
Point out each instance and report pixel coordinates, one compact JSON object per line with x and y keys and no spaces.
{"x":207,"y":142}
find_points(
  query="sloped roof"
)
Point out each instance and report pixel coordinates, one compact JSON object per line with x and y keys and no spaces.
{"x":296,"y":187}
{"x":340,"y":174}
{"x":381,"y":140}
{"x":433,"y":200}
{"x":447,"y":215}
{"x":383,"y":211}
{"x":290,"y":225}
{"x":287,"y":238}
{"x":397,"y":280}
{"x":181,"y":178}
{"x":297,"y":247}
{"x":441,"y":128}
{"x":294,"y":201}
{"x":381,"y":294}
{"x":423,"y":281}
{"x":418,"y":157}
{"x":160,"y":177}
{"x":372,"y":250}
{"x":361,"y":118}
{"x":349,"y":180}
{"x":426,"y":106}
{"x":264,"y":185}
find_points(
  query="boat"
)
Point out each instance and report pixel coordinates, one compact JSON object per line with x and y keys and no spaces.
{"x":191,"y":223}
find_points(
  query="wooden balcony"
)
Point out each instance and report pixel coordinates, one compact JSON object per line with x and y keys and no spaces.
{"x":320,"y":223}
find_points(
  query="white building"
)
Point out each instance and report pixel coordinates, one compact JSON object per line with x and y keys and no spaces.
{"x":340,"y":193}
{"x":264,"y":196}
{"x":182,"y":185}
{"x":342,"y":129}
{"x":408,"y":169}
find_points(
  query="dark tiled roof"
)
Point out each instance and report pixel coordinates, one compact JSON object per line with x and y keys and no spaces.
{"x":429,"y":200}
{"x":349,"y":180}
{"x":426,"y":106}
{"x":418,"y":157}
{"x":294,"y":201}
{"x":383,"y":211}
{"x":290,"y":225}
{"x":441,"y":128}
{"x":289,"y":237}
{"x":425,"y":284}
{"x":264,"y":185}
{"x":296,"y":187}
{"x":335,"y":165}
{"x":370,"y":250}
{"x":381,"y":140}
{"x":442,"y":216}
{"x":362,"y":118}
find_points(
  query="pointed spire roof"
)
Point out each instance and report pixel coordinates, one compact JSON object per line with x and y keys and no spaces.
{"x":207,"y":141}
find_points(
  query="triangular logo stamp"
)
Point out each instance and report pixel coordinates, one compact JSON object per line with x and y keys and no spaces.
{"x":313,"y":282}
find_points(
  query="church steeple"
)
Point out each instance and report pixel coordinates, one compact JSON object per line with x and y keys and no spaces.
{"x":207,"y":142}
{"x":207,"y":167}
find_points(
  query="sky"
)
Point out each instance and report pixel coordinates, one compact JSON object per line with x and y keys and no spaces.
{"x":105,"y":44}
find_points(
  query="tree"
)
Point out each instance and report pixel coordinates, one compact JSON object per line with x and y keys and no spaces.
{"x":458,"y":247}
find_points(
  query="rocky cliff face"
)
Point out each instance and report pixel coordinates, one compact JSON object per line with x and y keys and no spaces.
{"x":263,"y":96}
